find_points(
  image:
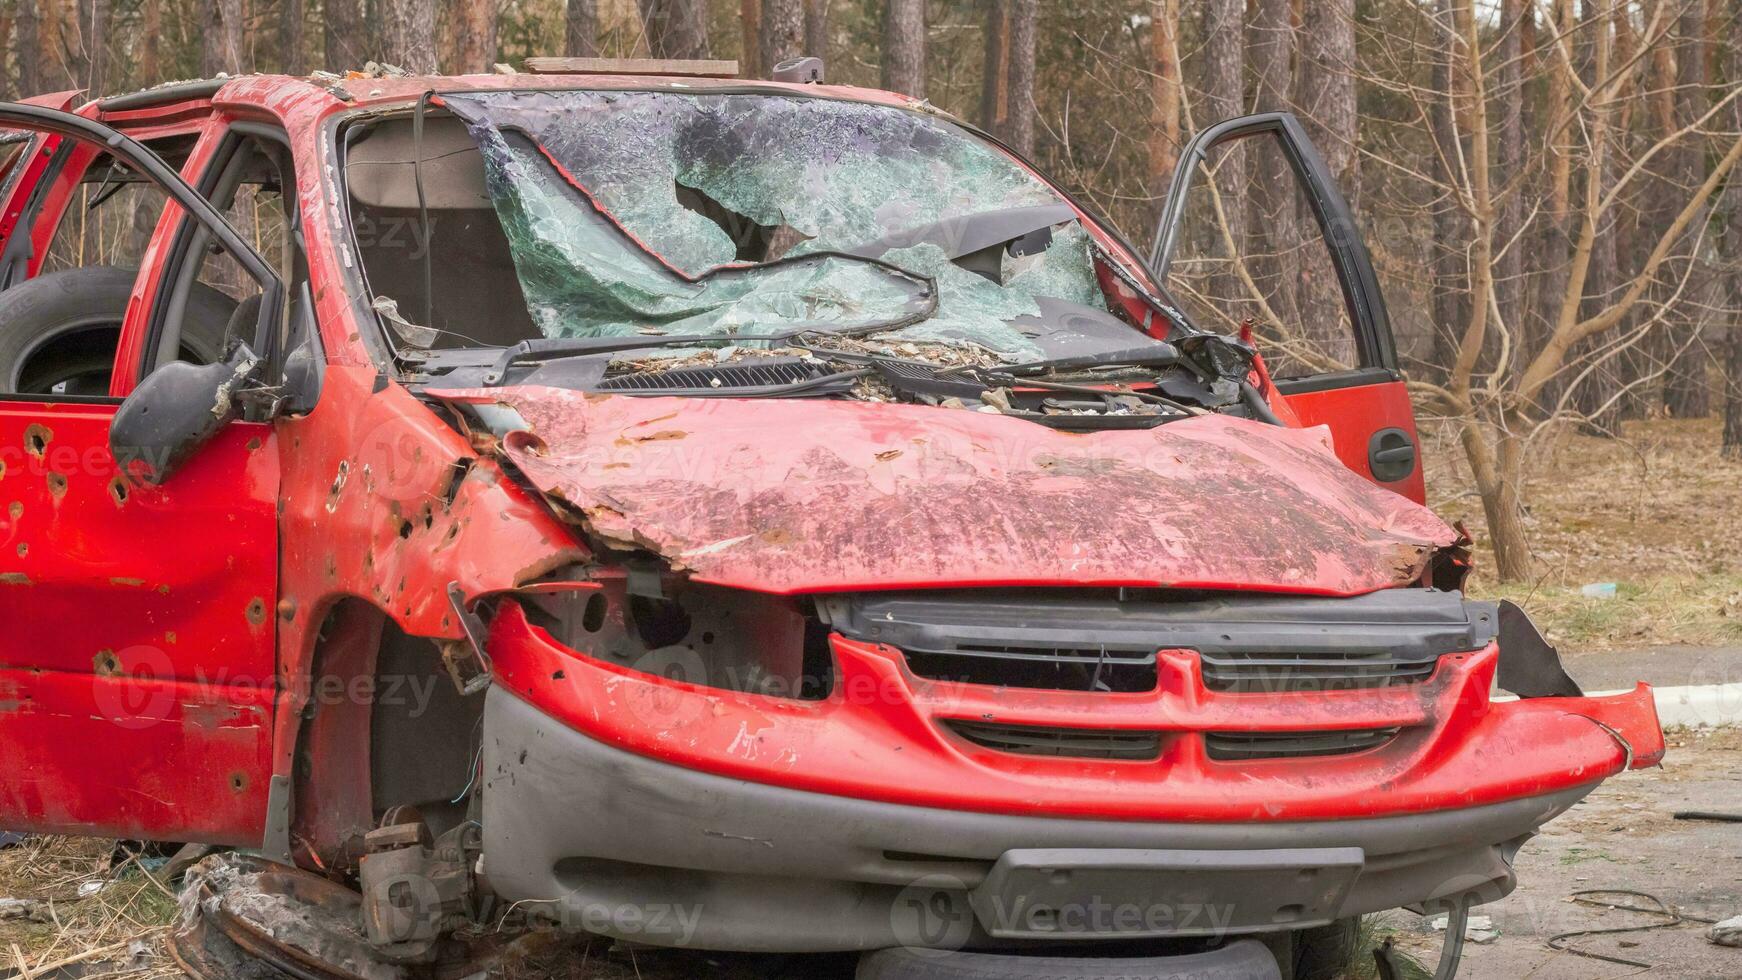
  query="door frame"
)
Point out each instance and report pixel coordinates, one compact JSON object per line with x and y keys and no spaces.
{"x":1336,"y":221}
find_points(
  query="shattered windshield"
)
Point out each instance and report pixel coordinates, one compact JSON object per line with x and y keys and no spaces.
{"x":657,"y":213}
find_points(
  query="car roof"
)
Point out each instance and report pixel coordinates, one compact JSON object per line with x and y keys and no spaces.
{"x":364,"y":90}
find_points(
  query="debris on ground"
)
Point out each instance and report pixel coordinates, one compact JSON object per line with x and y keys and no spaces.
{"x":1727,"y":932}
{"x":28,"y":909}
{"x":1478,"y":928}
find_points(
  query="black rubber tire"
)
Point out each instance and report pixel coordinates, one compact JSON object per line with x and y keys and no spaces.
{"x":1328,"y":952}
{"x":54,"y":309}
{"x":1246,"y":959}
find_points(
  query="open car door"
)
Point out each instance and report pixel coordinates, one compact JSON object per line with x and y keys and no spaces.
{"x":1256,"y":229}
{"x":137,"y":674}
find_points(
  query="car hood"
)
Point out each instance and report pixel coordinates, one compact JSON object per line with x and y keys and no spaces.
{"x":811,"y":495}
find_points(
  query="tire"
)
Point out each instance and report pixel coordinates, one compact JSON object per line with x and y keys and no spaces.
{"x":1327,"y":952}
{"x":60,"y":330}
{"x":1243,"y":960}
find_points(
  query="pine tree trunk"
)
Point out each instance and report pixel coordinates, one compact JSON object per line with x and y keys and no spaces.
{"x":474,"y":36}
{"x":150,"y":43}
{"x":290,"y":37}
{"x":750,"y":58}
{"x":1450,"y":293}
{"x":1325,"y":91}
{"x":782,"y":32}
{"x":220,"y":37}
{"x":1271,"y":205}
{"x":408,"y":34}
{"x":581,"y":29}
{"x":344,"y":38}
{"x":904,"y":47}
{"x":676,"y":28}
{"x":1507,"y":177}
{"x":995,"y":67}
{"x":1164,"y":129}
{"x":90,"y":60}
{"x":816,"y":29}
{"x":1221,"y":84}
{"x":27,"y":52}
{"x":1024,"y":15}
{"x":1686,"y":391}
{"x":1732,"y":244}
{"x":1325,"y":87}
{"x":51,"y":48}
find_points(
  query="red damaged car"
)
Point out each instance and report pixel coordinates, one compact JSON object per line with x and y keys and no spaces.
{"x":745,"y":516}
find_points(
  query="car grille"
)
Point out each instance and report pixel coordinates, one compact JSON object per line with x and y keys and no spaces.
{"x":1107,"y":640}
{"x":1049,"y":668}
{"x":1248,"y":746}
{"x":1076,"y":743}
{"x":1268,"y":674}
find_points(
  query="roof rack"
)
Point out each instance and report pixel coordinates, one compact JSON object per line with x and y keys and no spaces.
{"x":632,"y":66}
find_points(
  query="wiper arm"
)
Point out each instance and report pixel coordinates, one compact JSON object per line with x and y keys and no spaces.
{"x":1158,"y":354}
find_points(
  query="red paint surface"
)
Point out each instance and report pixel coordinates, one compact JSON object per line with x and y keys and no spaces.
{"x":878,"y":738}
{"x":810,"y":495}
{"x":1353,"y":415}
{"x":136,"y":670}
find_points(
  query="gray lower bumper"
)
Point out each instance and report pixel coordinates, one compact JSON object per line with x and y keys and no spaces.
{"x":619,"y":844}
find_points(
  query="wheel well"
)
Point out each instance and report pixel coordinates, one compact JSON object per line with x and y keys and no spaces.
{"x":383,"y":726}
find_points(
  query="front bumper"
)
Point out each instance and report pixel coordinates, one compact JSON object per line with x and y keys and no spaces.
{"x":616,"y":843}
{"x":668,"y":813}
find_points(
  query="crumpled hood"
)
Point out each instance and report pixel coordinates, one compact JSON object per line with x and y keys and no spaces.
{"x":809,"y":495}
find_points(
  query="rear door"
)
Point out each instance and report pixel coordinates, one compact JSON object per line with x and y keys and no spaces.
{"x":137,"y":677}
{"x":1255,"y":229}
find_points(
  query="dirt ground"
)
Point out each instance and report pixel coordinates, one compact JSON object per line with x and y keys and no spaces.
{"x":1656,"y":511}
{"x":1623,"y":836}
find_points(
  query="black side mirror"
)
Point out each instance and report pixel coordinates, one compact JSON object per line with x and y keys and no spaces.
{"x":176,"y":410}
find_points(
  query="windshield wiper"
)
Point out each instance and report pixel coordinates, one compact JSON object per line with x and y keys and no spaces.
{"x":1157,"y":354}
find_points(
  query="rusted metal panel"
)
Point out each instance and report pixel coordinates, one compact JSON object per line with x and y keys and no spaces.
{"x":791,"y":496}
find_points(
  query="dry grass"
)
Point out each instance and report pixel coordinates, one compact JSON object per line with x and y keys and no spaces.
{"x":1657,"y":512}
{"x":113,"y":930}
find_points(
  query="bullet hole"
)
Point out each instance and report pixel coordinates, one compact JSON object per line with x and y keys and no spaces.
{"x":23,"y":549}
{"x":36,"y":439}
{"x":238,"y":782}
{"x":256,"y":611}
{"x":254,"y":444}
{"x":57,"y":485}
{"x":106,"y":664}
{"x":15,"y":509}
{"x":118,"y":491}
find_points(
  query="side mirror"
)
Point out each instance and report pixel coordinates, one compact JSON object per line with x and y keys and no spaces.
{"x":176,"y":410}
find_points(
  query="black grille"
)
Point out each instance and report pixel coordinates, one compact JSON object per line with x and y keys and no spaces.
{"x":1048,"y":668}
{"x":1076,"y":743}
{"x":1243,"y":746}
{"x":772,"y":372}
{"x":1267,"y":673}
{"x":1107,"y":640}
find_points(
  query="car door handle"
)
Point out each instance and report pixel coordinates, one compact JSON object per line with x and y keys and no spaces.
{"x":1391,"y":455}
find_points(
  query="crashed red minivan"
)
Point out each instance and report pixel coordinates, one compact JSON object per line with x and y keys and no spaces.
{"x":746,"y":516}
